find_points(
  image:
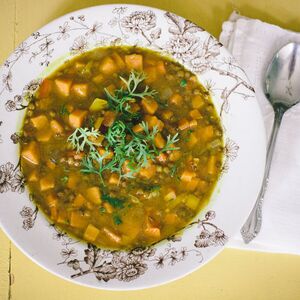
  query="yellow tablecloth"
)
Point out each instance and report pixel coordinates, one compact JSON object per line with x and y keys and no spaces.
{"x":233,"y":274}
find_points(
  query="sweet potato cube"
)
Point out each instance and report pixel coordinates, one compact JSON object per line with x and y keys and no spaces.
{"x":161,"y":68}
{"x":45,"y":88}
{"x":53,"y":213}
{"x":148,"y":171}
{"x":187,"y":176}
{"x":93,"y":194}
{"x":62,"y":217}
{"x":91,"y":233}
{"x":192,"y":185}
{"x":72,"y":180}
{"x":195,"y":114}
{"x":167,"y":114}
{"x":170,"y":195}
{"x":151,"y":74}
{"x":51,"y":200}
{"x":63,"y":86}
{"x":33,"y":176}
{"x":176,"y":99}
{"x":111,"y":235}
{"x":80,"y":89}
{"x":108,"y":66}
{"x":47,"y":183}
{"x":76,"y":118}
{"x":154,"y":121}
{"x":183,"y":124}
{"x":149,"y":105}
{"x":109,"y":118}
{"x":192,"y":140}
{"x":118,"y":60}
{"x":31,"y":153}
{"x":152,"y":232}
{"x":174,"y":155}
{"x":79,"y":200}
{"x":77,"y":220}
{"x":56,"y":127}
{"x":134,"y":62}
{"x":197,"y":101}
{"x":39,"y":122}
{"x":207,"y":132}
{"x":159,"y":141}
{"x":191,"y":201}
{"x":114,"y":179}
{"x":211,"y":165}
{"x":137,"y":128}
{"x":98,"y":79}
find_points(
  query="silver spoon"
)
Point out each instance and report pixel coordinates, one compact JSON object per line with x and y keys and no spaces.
{"x":282,"y":88}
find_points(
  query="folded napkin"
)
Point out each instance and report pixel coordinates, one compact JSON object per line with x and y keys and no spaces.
{"x":253,"y":43}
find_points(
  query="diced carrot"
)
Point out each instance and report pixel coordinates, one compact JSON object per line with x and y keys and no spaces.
{"x":76,"y":118}
{"x":63,"y":86}
{"x":154,"y":121}
{"x":134,"y":62}
{"x":195,"y":114}
{"x":109,"y":118}
{"x":33,"y":176}
{"x":51,"y":200}
{"x":47,"y":183}
{"x":118,"y":60}
{"x":159,"y":141}
{"x":197,"y":101}
{"x":211,"y":165}
{"x":72,"y":181}
{"x":170,"y":195}
{"x":137,"y":128}
{"x":207,"y":132}
{"x":114,"y":179}
{"x":148,"y":171}
{"x":98,"y":79}
{"x":53,"y":213}
{"x":40,"y":122}
{"x":31,"y":153}
{"x":187,"y":176}
{"x":50,"y":164}
{"x":176,"y":99}
{"x":77,"y":220}
{"x":91,"y":233}
{"x":191,"y":186}
{"x":192,"y":140}
{"x":151,"y":75}
{"x":152,"y":232}
{"x":56,"y":127}
{"x":93,"y":195}
{"x":171,"y":218}
{"x":79,"y":200}
{"x":45,"y":88}
{"x":149,"y":105}
{"x":162,"y":158}
{"x":167,"y":114}
{"x":108,"y":207}
{"x":193,"y":123}
{"x":80,"y":89}
{"x":183,"y":124}
{"x":111,"y":235}
{"x":108,"y":66}
{"x":161,"y":68}
{"x":62,"y":217}
{"x":44,"y":135}
{"x":174,"y":155}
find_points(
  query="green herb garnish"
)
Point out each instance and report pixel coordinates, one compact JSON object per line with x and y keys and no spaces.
{"x":63,"y":110}
{"x":64,"y":179}
{"x":117,"y":219}
{"x":183,"y":83}
{"x":115,"y":202}
{"x":102,"y":209}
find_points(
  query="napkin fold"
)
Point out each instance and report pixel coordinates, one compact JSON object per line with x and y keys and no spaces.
{"x":253,"y":44}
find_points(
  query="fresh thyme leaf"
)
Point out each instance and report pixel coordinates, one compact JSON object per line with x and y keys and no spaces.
{"x":173,"y":170}
{"x":183,"y":83}
{"x":117,"y":219}
{"x":63,"y":110}
{"x":115,"y":202}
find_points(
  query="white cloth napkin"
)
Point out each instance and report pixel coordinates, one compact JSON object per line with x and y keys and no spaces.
{"x":253,"y":43}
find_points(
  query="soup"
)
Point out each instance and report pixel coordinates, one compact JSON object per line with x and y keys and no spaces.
{"x":121,"y":147}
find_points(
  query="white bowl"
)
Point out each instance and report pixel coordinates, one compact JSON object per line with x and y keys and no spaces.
{"x":233,"y":97}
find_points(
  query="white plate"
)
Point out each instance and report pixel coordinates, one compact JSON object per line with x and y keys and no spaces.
{"x":233,"y":97}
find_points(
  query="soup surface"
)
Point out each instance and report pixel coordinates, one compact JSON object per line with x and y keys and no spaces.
{"x":121,"y":147}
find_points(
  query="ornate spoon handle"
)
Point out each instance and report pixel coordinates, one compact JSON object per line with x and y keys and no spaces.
{"x":253,"y":224}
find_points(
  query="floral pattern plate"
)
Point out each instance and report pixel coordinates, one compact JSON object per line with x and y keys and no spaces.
{"x":233,"y":97}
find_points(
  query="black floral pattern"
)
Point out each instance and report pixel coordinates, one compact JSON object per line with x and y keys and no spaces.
{"x":29,"y":215}
{"x":6,"y":177}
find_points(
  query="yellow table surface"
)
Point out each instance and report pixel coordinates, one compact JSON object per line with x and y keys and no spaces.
{"x":233,"y":274}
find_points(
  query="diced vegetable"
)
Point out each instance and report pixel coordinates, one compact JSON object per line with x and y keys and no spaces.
{"x":197,"y":101}
{"x":114,"y":179}
{"x":108,"y":207}
{"x":118,"y":60}
{"x":211,"y":165}
{"x":72,"y":180}
{"x":111,"y":235}
{"x":45,"y":88}
{"x":77,"y":220}
{"x":79,"y":201}
{"x":98,"y":79}
{"x":195,"y":114}
{"x":33,"y":176}
{"x":191,"y":201}
{"x":63,"y":86}
{"x":183,"y":124}
{"x":98,"y":122}
{"x":187,"y":176}
{"x":159,"y":141}
{"x":76,"y":118}
{"x":170,"y":195}
{"x":98,"y":105}
{"x":176,"y":99}
{"x":40,"y":122}
{"x":109,"y":118}
{"x":134,"y":62}
{"x":167,"y":114}
{"x":53,"y":213}
{"x":91,"y":233}
{"x":154,"y":121}
{"x":108,"y":66}
{"x":93,"y":195}
{"x":47,"y":183}
{"x":174,"y":155}
{"x":192,"y":140}
{"x":191,"y":185}
{"x":161,"y":68}
{"x":152,"y":232}
{"x":137,"y":128}
{"x":207,"y":132}
{"x":149,"y":171}
{"x":162,"y":158}
{"x":193,"y":123}
{"x":31,"y":153}
{"x":44,"y":135}
{"x":171,"y":218}
{"x":80,"y":89}
{"x":62,"y":217}
{"x":56,"y":127}
{"x":149,"y":105}
{"x":151,"y":74}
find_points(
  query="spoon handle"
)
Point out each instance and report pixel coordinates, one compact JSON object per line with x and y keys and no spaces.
{"x":253,"y":224}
